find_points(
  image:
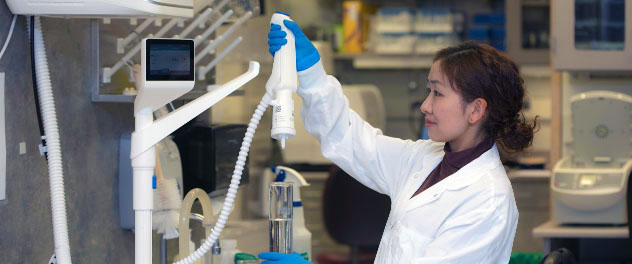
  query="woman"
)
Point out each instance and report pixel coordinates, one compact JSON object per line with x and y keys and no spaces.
{"x":451,"y":200}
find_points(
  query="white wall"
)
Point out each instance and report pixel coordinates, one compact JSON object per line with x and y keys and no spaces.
{"x":538,"y":95}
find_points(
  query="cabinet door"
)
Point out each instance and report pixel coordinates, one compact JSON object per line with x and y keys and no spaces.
{"x":592,"y":35}
{"x":528,"y":30}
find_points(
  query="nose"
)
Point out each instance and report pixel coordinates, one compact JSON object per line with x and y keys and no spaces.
{"x":426,"y":106}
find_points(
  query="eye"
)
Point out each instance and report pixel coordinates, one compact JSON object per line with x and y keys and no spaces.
{"x":436,"y":93}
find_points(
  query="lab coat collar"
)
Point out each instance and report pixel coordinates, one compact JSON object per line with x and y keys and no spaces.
{"x":471,"y":172}
{"x":430,"y":162}
{"x":464,"y":177}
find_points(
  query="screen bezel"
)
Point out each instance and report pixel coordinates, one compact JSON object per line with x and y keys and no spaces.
{"x":167,"y":77}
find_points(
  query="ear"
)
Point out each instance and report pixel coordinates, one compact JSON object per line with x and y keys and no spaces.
{"x":478,"y":109}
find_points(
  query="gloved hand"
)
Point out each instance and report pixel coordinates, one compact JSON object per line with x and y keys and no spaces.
{"x":306,"y":53}
{"x":280,"y":258}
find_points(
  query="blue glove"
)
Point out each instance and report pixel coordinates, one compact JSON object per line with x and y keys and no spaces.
{"x":306,"y":53}
{"x":280,"y":258}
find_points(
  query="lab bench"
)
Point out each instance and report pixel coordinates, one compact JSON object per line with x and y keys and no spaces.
{"x":590,"y":244}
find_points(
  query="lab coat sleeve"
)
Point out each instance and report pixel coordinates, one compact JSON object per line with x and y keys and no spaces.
{"x":377,"y":161}
{"x":481,"y":236}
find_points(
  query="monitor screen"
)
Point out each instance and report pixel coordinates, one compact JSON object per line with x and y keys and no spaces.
{"x":169,"y":60}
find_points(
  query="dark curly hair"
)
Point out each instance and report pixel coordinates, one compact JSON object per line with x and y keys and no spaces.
{"x":480,"y":71}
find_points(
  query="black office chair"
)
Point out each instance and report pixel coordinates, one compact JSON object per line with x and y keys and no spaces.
{"x":354,"y":215}
{"x":629,"y":203}
{"x":559,"y":256}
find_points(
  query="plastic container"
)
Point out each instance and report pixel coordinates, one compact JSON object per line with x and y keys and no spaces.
{"x":497,"y":37}
{"x":394,"y":20}
{"x":479,"y":34}
{"x":525,"y":258}
{"x":430,"y":43}
{"x":394,"y":43}
{"x":434,"y":20}
{"x":338,"y":39}
{"x":489,"y":18}
{"x":245,"y":258}
{"x":229,"y":251}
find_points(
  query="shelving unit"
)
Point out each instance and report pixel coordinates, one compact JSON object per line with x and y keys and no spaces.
{"x":535,"y":71}
{"x":386,"y":61}
{"x":419,"y":61}
{"x":543,"y":175}
{"x":102,"y":92}
{"x":110,"y":74}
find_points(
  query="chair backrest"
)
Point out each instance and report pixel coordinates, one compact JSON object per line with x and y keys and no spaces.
{"x":354,"y":214}
{"x":629,"y":205}
{"x":559,"y":256}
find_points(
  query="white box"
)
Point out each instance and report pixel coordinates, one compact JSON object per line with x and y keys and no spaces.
{"x":430,"y":43}
{"x":434,"y":21}
{"x":394,"y":20}
{"x":395,"y":43}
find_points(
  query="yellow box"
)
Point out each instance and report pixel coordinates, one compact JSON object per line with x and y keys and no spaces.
{"x":352,"y":26}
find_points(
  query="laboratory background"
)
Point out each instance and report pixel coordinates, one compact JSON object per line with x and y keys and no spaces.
{"x":81,"y":156}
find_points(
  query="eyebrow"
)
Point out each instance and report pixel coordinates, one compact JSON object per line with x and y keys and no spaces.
{"x":434,"y":81}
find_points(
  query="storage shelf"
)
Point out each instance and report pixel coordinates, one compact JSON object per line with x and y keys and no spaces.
{"x":529,"y":174}
{"x":420,"y":61}
{"x":103,"y":92}
{"x":554,"y":230}
{"x":542,"y":71}
{"x":122,"y":98}
{"x":387,"y":61}
{"x":112,"y":98}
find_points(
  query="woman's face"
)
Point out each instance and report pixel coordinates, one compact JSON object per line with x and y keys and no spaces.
{"x":446,"y":118}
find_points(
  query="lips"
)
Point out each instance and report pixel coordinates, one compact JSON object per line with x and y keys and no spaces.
{"x":429,"y":124}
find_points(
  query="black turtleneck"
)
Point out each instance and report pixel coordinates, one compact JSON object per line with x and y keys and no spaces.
{"x":453,"y":161}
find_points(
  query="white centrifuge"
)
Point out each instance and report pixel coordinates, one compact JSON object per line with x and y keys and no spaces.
{"x":589,"y":185}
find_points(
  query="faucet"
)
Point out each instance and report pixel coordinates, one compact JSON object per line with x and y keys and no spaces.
{"x":217,"y":250}
{"x":185,"y":216}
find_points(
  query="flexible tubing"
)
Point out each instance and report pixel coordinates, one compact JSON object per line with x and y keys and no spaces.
{"x":6,"y":42}
{"x":234,"y":184}
{"x":55,"y":168}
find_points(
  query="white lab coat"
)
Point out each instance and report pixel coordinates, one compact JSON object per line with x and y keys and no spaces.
{"x":469,"y":217}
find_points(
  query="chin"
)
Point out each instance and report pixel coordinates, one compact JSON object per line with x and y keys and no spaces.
{"x":438,"y":136}
{"x":435,"y":138}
